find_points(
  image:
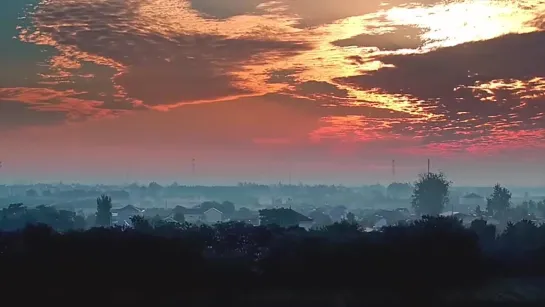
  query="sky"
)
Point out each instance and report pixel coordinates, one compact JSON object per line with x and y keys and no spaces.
{"x":265,"y":91}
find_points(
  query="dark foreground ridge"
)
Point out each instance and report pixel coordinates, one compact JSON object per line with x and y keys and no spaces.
{"x":435,"y":259}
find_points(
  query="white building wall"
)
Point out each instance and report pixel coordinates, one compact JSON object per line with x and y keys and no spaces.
{"x":213,"y":216}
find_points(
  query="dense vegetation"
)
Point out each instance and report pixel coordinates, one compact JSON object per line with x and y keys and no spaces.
{"x":424,"y":259}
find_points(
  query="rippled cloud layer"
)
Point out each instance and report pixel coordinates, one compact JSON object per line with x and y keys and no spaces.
{"x":446,"y":76}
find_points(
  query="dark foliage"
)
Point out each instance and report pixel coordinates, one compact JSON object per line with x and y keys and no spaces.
{"x":426,"y":258}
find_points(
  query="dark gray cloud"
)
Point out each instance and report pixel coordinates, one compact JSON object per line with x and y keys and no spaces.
{"x":443,"y":79}
{"x":222,"y":9}
{"x":317,"y":89}
{"x":14,"y":114}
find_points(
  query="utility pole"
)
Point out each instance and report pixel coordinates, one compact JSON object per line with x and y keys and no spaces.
{"x":428,"y":166}
{"x":8,"y":187}
{"x":289,"y":176}
{"x":393,"y":171}
{"x":193,"y":166}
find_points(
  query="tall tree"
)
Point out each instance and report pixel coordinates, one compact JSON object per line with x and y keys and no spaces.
{"x":32,"y":193}
{"x":398,"y":190}
{"x":430,"y":194}
{"x":351,"y":218}
{"x":140,"y":223}
{"x":540,"y":207}
{"x":499,"y":201}
{"x":104,"y":211}
{"x":179,"y":217}
{"x":283,"y":217}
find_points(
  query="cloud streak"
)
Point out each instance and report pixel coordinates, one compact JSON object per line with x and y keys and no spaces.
{"x":356,"y":72}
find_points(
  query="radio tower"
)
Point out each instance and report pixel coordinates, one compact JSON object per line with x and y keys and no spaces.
{"x":393,"y":170}
{"x":428,"y":166}
{"x":193,"y":171}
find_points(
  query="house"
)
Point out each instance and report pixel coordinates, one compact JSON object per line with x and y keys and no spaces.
{"x":305,"y":222}
{"x":212,"y":216}
{"x":470,"y":202}
{"x":122,"y":216}
{"x":197,"y":215}
{"x":246,"y":215}
{"x":156,"y":212}
{"x":284,"y":217}
{"x":193,"y":216}
{"x":380,"y":223}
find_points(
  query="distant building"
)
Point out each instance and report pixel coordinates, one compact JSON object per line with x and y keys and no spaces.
{"x":197,"y":215}
{"x":213,"y":216}
{"x":305,"y":222}
{"x":122,"y":216}
{"x":193,"y":216}
{"x":469,"y":202}
{"x":284,"y":217}
{"x":380,"y":223}
{"x":156,"y":212}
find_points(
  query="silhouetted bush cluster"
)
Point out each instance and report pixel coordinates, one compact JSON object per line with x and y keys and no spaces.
{"x":426,"y":256}
{"x":422,"y":259}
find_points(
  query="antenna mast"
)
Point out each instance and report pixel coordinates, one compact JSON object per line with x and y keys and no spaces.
{"x":289,"y":179}
{"x":428,"y":166}
{"x":193,"y":166}
{"x":393,"y":170}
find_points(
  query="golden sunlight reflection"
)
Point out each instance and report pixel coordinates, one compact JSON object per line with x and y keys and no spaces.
{"x":520,"y":89}
{"x":460,"y":22}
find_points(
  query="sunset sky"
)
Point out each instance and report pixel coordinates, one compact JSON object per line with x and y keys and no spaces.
{"x":327,"y":90}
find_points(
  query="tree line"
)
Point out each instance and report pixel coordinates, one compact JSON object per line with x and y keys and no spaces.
{"x":422,"y":260}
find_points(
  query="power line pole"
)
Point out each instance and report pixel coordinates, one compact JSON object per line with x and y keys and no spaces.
{"x":393,"y":170}
{"x":193,"y":170}
{"x":428,"y":166}
{"x":289,"y":179}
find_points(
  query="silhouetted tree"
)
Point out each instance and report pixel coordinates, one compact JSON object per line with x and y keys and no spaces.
{"x":31,"y":193}
{"x":521,"y":237}
{"x":351,"y":218}
{"x":227,"y":208}
{"x":485,"y":232}
{"x":320,"y":218}
{"x":540,"y":206}
{"x":104,"y":211}
{"x":478,"y":211}
{"x":342,"y":228}
{"x":398,"y":190}
{"x":430,"y":195}
{"x":179,"y":217}
{"x":17,"y":216}
{"x":140,"y":223}
{"x":154,"y":189}
{"x":338,"y":213}
{"x":499,"y":202}
{"x":283,"y":217}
